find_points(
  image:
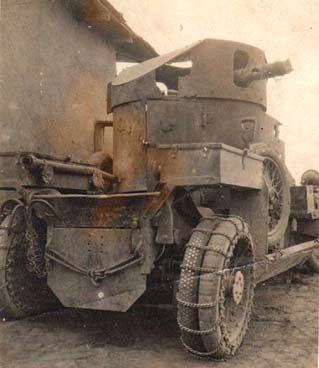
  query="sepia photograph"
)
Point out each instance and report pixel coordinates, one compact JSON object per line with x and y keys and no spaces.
{"x":159,"y":184}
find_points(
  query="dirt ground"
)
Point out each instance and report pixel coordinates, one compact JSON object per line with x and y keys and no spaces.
{"x":283,"y":334}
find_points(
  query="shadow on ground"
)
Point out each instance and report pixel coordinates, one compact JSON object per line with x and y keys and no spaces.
{"x":283,"y":334}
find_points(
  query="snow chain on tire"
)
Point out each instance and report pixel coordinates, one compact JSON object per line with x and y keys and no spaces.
{"x":21,"y":293}
{"x":200,"y":297}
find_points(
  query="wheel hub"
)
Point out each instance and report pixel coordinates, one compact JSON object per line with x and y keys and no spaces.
{"x":238,"y":287}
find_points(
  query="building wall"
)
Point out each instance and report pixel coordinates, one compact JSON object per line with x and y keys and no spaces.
{"x":54,"y":72}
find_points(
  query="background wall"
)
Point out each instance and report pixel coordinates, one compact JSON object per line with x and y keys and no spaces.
{"x":283,"y":29}
{"x":54,"y":72}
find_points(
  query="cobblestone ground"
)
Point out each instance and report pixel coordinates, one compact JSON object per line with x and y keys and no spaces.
{"x":283,"y":334}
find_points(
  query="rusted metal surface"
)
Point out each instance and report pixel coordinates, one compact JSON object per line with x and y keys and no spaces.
{"x":76,"y":258}
{"x":97,"y":211}
{"x":13,"y":175}
{"x":46,"y":169}
{"x":206,"y":107}
{"x":206,"y":164}
{"x":214,"y":63}
{"x":142,"y":152}
{"x":129,"y":155}
{"x":104,"y":210}
{"x":184,"y":165}
{"x":172,"y":121}
{"x":98,"y":258}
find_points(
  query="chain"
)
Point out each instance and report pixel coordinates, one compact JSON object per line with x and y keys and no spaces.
{"x":201,"y":269}
{"x":202,"y":230}
{"x":10,"y":285}
{"x":249,"y":266}
{"x":203,"y":247}
{"x":95,"y":275}
{"x":231,"y":245}
{"x":35,"y":254}
{"x":197,"y":332}
{"x":197,"y":353}
{"x":195,"y":305}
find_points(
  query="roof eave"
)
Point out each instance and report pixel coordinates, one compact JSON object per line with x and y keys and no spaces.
{"x":106,"y":20}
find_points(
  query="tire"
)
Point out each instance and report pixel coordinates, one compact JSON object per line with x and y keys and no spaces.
{"x":276,"y":232}
{"x":210,"y":291}
{"x":22,"y":294}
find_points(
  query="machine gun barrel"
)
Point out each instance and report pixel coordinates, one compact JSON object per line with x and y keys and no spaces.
{"x":243,"y":77}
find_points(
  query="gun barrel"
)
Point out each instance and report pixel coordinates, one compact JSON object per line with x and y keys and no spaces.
{"x":243,"y":77}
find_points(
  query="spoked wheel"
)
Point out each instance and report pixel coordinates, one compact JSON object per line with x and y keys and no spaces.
{"x":216,"y":287}
{"x":275,"y":175}
{"x":275,"y":184}
{"x":21,"y":292}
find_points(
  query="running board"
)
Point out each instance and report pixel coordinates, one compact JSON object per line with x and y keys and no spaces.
{"x":275,"y":263}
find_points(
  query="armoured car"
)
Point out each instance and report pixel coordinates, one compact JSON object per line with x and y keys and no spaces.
{"x":196,"y":201}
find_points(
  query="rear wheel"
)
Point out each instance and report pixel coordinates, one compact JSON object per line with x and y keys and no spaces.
{"x":277,"y":181}
{"x":22,"y":293}
{"x":216,"y":287}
